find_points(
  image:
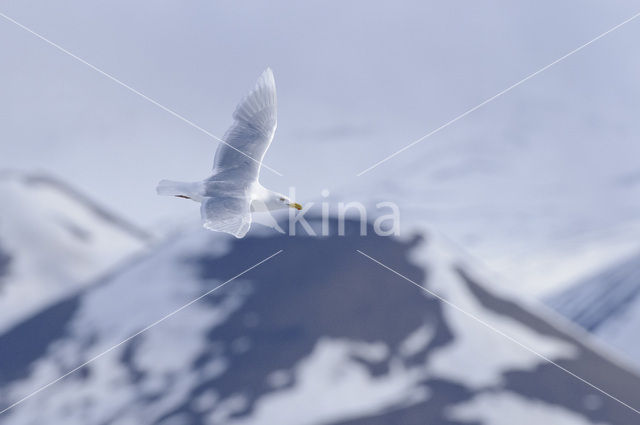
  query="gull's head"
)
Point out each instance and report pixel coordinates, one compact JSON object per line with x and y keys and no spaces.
{"x":288,"y":203}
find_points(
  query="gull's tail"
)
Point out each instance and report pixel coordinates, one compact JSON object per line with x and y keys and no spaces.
{"x":181,"y":189}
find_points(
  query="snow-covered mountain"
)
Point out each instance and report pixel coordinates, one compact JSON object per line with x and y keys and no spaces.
{"x":52,"y":241}
{"x":506,"y":205}
{"x":608,"y":305}
{"x":318,"y":334}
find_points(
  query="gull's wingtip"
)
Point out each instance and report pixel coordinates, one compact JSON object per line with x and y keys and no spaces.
{"x":267,"y":77}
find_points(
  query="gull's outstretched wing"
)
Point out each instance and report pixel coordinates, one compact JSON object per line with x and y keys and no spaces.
{"x":251,"y":133}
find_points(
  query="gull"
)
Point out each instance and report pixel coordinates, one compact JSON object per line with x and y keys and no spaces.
{"x":229,"y":196}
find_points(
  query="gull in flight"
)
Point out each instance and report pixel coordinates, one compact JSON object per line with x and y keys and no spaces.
{"x":233,"y":192}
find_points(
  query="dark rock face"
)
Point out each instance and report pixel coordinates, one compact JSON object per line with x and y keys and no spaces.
{"x":322,"y":289}
{"x":27,"y":342}
{"x":5,"y":259}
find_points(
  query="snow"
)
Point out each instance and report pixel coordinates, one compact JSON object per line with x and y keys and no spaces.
{"x":493,"y":353}
{"x":559,"y":265}
{"x":330,"y":385}
{"x":110,"y":317}
{"x":57,"y":242}
{"x":501,"y":409}
{"x":187,"y":365}
{"x":518,"y":247}
{"x":416,"y":341}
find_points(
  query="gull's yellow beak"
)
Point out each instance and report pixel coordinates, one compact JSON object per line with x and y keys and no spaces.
{"x":295,"y":205}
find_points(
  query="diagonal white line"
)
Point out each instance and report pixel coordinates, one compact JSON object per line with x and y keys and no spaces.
{"x":131,"y":89}
{"x":499,"y":332}
{"x":157,"y":322}
{"x":492,"y":98}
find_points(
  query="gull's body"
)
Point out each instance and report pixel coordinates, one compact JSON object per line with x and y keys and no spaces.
{"x":233,"y":192}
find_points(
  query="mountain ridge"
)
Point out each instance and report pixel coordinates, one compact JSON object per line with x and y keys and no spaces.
{"x":54,"y":239}
{"x":318,"y":334}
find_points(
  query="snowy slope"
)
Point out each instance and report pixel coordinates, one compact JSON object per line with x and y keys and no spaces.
{"x":319,"y":334}
{"x":608,"y":305}
{"x":53,"y":240}
{"x":514,"y":205}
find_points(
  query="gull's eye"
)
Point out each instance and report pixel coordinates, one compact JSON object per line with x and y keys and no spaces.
{"x":282,"y":199}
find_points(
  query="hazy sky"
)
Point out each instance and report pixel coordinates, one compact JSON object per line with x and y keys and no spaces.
{"x":356,"y":81}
